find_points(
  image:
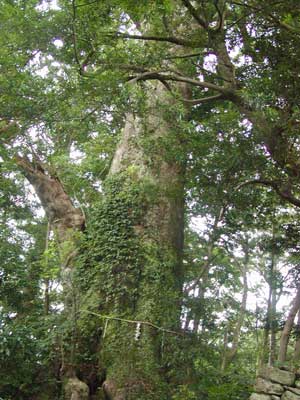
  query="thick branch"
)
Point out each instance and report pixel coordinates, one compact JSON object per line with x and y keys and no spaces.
{"x":55,"y":201}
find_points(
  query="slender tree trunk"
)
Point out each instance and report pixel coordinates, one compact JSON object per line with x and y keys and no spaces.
{"x":47,"y":280}
{"x":66,"y":221}
{"x":229,"y":354}
{"x":272,"y":357}
{"x":265,"y":345}
{"x":225,"y":349}
{"x":297,"y":343}
{"x":150,"y":159}
{"x":285,"y":335}
{"x":201,"y":281}
{"x":272,"y":303}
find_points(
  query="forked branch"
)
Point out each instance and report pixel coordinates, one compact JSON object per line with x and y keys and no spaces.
{"x":200,"y":20}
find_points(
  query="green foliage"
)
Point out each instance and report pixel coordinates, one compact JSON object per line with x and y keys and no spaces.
{"x":64,"y":96}
{"x":112,"y":245}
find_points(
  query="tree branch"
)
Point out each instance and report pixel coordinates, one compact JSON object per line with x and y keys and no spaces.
{"x":87,"y":4}
{"x":183,"y":56}
{"x":201,"y":21}
{"x":271,"y":17}
{"x":179,"y":78}
{"x":284,"y":194}
{"x":169,"y":39}
{"x":196,"y":102}
{"x":221,"y":15}
{"x":74,"y":37}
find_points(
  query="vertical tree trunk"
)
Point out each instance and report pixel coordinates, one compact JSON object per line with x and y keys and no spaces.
{"x":272,"y":356}
{"x":66,"y":221}
{"x":272,"y":303}
{"x":200,"y":283}
{"x":229,"y":354}
{"x":285,"y":335}
{"x":265,"y":343}
{"x":225,"y":349}
{"x":150,"y":160}
{"x":47,"y":281}
{"x":297,"y":343}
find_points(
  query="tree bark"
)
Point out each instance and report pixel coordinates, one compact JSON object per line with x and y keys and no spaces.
{"x":272,"y":357}
{"x":150,"y":156}
{"x":285,"y":335}
{"x":230,"y":353}
{"x":66,"y":221}
{"x":47,"y":280}
{"x":297,"y":343}
{"x":265,"y":343}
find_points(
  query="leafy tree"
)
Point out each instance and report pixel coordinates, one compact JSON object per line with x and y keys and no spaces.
{"x":129,"y":120}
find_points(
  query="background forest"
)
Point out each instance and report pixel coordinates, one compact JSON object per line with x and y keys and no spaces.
{"x":149,"y":170}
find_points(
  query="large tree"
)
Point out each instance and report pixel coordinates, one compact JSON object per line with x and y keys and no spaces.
{"x":153,"y":97}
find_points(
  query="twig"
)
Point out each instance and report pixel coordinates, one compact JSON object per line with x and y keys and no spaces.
{"x":87,"y":4}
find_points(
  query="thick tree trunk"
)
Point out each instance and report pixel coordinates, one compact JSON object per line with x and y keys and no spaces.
{"x":285,"y":335}
{"x":150,"y":160}
{"x":66,"y":221}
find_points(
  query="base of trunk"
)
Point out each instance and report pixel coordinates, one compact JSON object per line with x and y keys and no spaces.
{"x":75,"y":389}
